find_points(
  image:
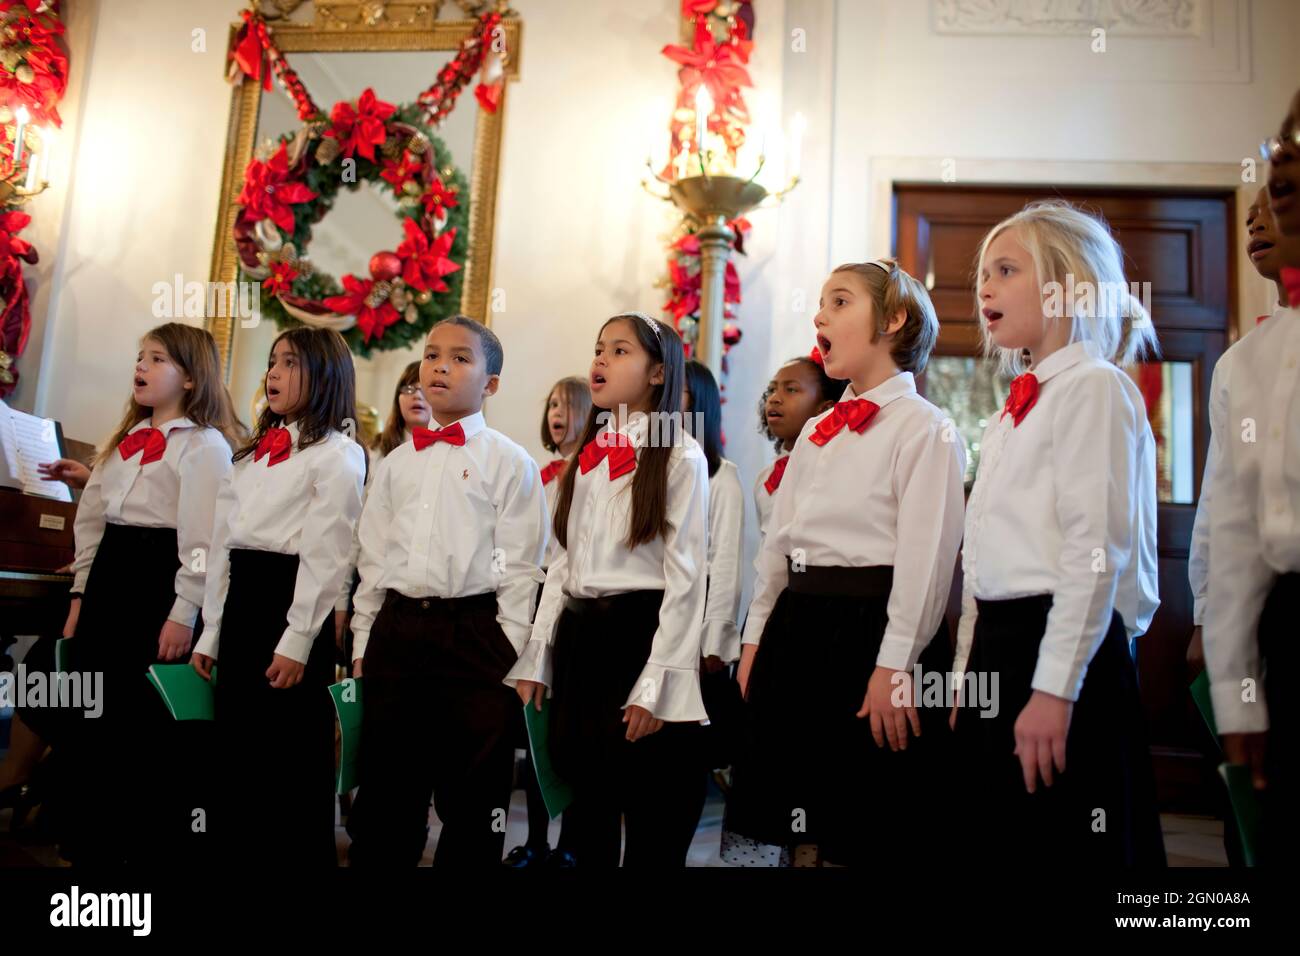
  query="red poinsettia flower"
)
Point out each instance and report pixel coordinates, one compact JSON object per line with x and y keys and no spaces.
{"x":731,"y":284}
{"x":685,"y":296}
{"x":10,"y":245}
{"x":438,"y":198}
{"x":688,"y":244}
{"x":268,"y":192}
{"x":694,"y":8}
{"x":399,"y":172}
{"x":31,"y":5}
{"x":280,"y":279}
{"x":371,"y":320}
{"x":42,"y":94}
{"x":360,"y":128}
{"x":720,"y":67}
{"x":424,"y":263}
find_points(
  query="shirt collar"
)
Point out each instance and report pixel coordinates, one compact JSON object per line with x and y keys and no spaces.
{"x":1062,"y":359}
{"x":471,"y":425}
{"x":167,"y":428}
{"x":896,"y":386}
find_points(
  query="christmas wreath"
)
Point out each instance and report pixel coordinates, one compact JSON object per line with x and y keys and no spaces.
{"x":288,"y":191}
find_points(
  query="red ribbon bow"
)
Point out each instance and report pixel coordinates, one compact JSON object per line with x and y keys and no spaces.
{"x":856,"y":413}
{"x":1021,"y":398}
{"x":778,"y":472}
{"x":552,"y":471}
{"x":153,"y":441}
{"x":1291,"y":282}
{"x":277,"y":442}
{"x":616,"y":447}
{"x":453,"y":434}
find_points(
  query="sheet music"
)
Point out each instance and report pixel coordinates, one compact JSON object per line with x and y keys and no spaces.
{"x":27,"y":442}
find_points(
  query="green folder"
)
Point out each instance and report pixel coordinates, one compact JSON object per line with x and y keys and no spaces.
{"x":556,"y":794}
{"x":1201,"y":694}
{"x":1241,"y":789}
{"x":62,"y":656}
{"x":187,"y":695}
{"x":346,"y":695}
{"x":1245,"y":807}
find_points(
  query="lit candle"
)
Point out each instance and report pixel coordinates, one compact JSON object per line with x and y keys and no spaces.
{"x":33,"y":161}
{"x":22,"y":116}
{"x":703,"y":107}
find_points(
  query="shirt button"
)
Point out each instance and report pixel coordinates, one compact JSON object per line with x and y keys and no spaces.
{"x":425,"y":605}
{"x":426,"y":506}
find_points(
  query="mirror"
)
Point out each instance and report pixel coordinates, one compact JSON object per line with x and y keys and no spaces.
{"x":398,"y":59}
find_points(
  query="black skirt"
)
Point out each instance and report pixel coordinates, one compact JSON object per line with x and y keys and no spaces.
{"x":276,"y":745}
{"x":811,"y":772}
{"x":656,"y":785}
{"x":1101,"y":811}
{"x":129,"y":770}
{"x":1277,"y":647}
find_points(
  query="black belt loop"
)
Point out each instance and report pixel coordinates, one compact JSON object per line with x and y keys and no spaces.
{"x":874,"y":581}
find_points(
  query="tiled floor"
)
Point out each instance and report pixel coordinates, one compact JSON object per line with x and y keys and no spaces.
{"x":1189,"y":840}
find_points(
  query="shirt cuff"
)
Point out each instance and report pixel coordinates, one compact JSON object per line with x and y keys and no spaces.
{"x":295,"y":646}
{"x":1198,"y":612}
{"x":359,"y":641}
{"x":534,"y":664}
{"x":184,"y":612}
{"x":207,"y":645}
{"x":344,"y":600}
{"x":79,"y":581}
{"x":721,"y":639}
{"x":669,"y":693}
{"x":1232,"y":715}
{"x":1055,"y":681}
{"x":897,"y":652}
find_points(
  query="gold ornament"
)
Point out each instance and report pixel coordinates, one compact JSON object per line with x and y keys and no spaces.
{"x":424,"y":296}
{"x":24,"y":73}
{"x":411,"y":315}
{"x":378,"y":293}
{"x":417,"y":144}
{"x":6,"y":114}
{"x":392,"y":147}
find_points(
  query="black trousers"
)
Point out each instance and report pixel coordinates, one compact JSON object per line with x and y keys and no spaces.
{"x":811,"y":772}
{"x":1278,"y":627}
{"x":656,"y":785}
{"x":276,"y":745}
{"x":132,"y":772}
{"x":438,"y":724}
{"x":1101,"y":811}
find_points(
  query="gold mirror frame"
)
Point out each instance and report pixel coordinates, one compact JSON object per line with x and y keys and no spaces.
{"x":354,"y":28}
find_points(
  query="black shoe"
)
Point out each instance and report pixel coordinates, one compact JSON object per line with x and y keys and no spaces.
{"x":561,"y":860}
{"x":522,"y":856}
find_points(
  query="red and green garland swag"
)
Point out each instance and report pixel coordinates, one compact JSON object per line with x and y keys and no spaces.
{"x":407,"y":290}
{"x":716,"y":59}
{"x":287,"y":192}
{"x":33,"y":74}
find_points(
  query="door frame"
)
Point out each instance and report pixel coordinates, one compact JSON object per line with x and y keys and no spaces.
{"x":1248,"y":299}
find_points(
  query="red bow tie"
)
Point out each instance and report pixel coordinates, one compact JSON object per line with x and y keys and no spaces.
{"x":277,"y":442}
{"x":612,"y":445}
{"x":855,"y":413}
{"x":778,"y":471}
{"x":552,"y":471}
{"x":453,"y":434}
{"x":1021,"y":398}
{"x":153,"y":441}
{"x":1291,"y":282}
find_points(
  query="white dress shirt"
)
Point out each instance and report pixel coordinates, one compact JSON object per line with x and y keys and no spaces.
{"x":453,"y":521}
{"x":764,"y":499}
{"x":598,"y":563}
{"x":373,"y":457}
{"x":177,"y":491}
{"x":306,"y":505}
{"x":889,"y":496}
{"x":552,"y":490}
{"x":1198,"y":556}
{"x":726,"y":534}
{"x":1065,"y":504}
{"x":1254,"y":508}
